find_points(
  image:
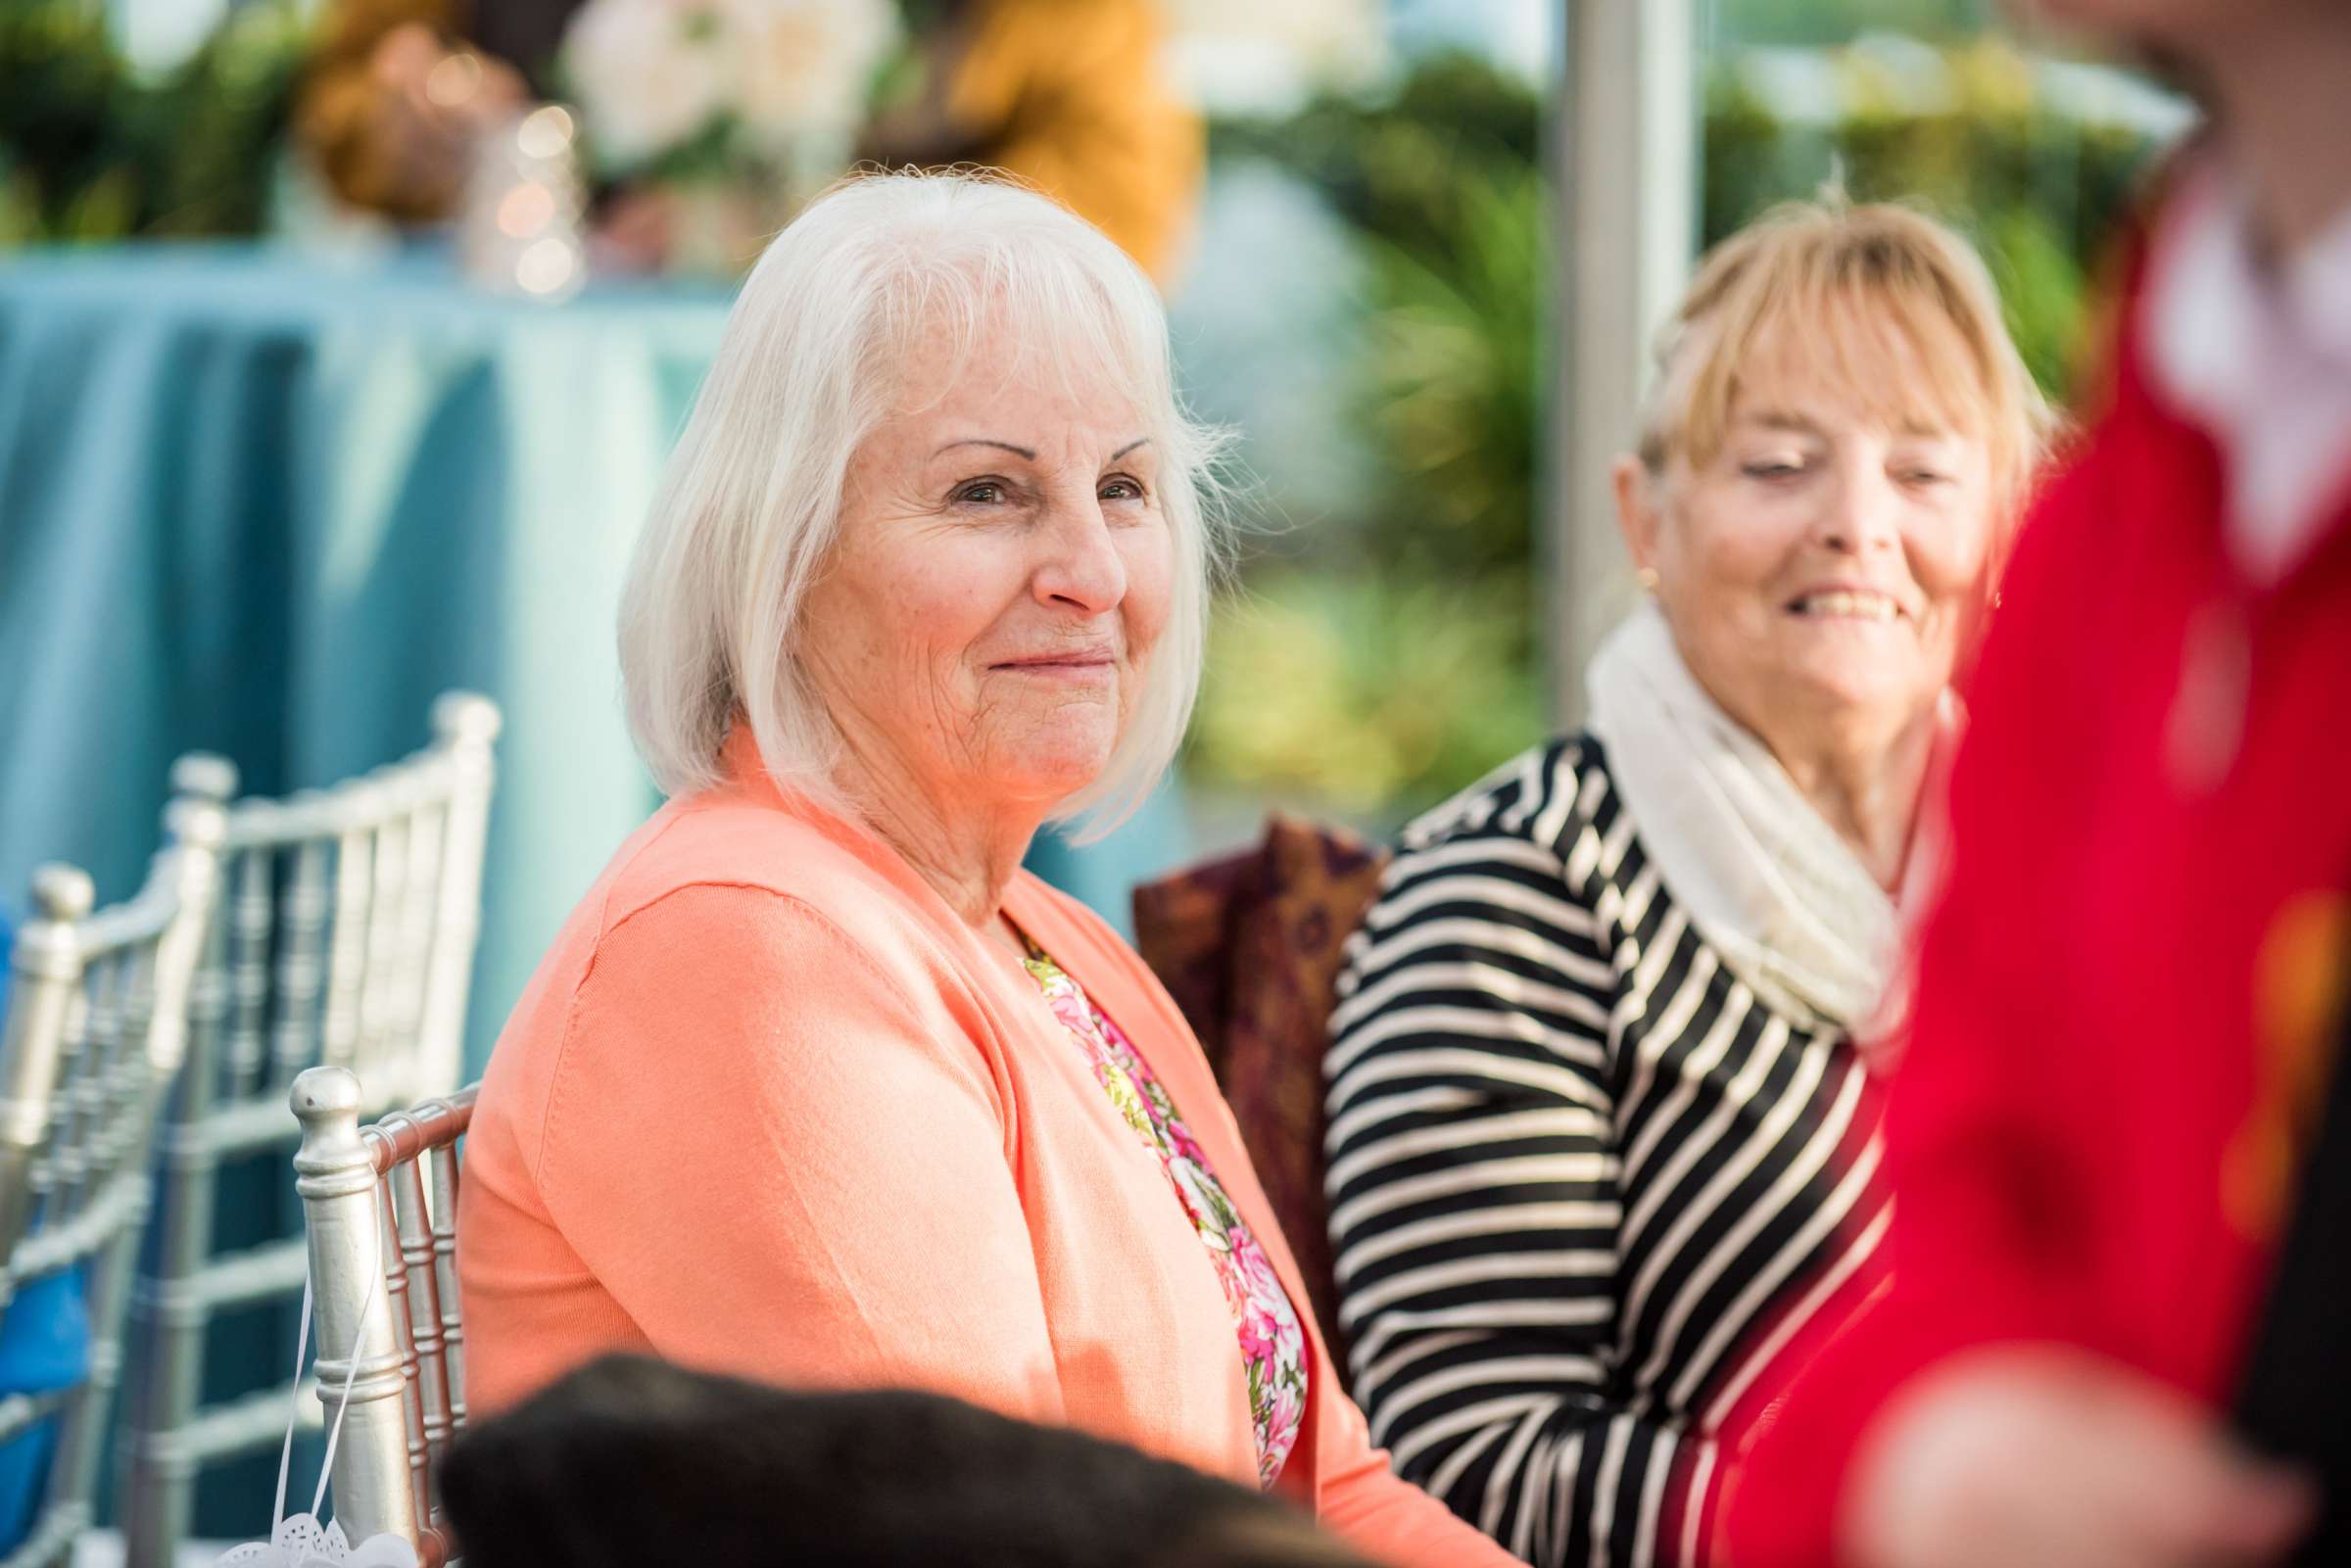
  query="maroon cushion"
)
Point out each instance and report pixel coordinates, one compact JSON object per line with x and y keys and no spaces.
{"x":1250,"y":948}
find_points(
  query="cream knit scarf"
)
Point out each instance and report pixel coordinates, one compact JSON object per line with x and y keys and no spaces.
{"x":1784,"y":902}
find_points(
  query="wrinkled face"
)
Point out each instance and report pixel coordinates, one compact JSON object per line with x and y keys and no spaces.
{"x":1827,"y":564}
{"x":998,"y":583}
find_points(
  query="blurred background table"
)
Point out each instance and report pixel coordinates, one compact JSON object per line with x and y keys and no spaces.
{"x":262,"y":503}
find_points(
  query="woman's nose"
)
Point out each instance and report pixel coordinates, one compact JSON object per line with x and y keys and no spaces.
{"x":1859,"y":514}
{"x":1081,"y":568}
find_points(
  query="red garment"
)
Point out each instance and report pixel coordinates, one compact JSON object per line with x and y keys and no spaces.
{"x":2077,"y":1135}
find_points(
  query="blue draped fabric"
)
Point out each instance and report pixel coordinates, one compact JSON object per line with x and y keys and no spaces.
{"x":254,"y":503}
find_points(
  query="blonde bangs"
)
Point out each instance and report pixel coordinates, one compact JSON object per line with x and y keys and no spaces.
{"x":1877,"y":303}
{"x":1893,"y":357}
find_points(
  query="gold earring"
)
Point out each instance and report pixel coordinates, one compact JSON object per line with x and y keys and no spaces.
{"x":1649,"y":579}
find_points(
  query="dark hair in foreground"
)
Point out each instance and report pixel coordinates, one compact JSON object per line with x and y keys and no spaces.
{"x":629,"y":1462}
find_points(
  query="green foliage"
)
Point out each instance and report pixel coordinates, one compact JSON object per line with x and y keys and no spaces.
{"x":1451,"y":371}
{"x":1407,"y":663}
{"x":90,"y":152}
{"x":2044,"y":292}
{"x":215,"y":123}
{"x":1828,"y":22}
{"x":1379,"y":695}
{"x":1393,"y":165}
{"x":59,"y":155}
{"x":1442,"y":184}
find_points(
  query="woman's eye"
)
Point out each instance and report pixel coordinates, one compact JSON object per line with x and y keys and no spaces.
{"x":1771,"y":468}
{"x":1122,"y":490}
{"x":1924,"y":476}
{"x":981,"y":492}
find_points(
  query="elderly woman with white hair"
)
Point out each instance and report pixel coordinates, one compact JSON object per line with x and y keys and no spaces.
{"x":1600,"y":1134}
{"x":817,"y":1086}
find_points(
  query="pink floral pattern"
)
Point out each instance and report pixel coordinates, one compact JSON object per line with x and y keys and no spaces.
{"x":1273,"y":1341}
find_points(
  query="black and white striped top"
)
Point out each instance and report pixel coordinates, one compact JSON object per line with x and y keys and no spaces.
{"x":1583,"y":1184}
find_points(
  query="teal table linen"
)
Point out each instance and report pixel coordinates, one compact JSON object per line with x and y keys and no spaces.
{"x":255,"y":502}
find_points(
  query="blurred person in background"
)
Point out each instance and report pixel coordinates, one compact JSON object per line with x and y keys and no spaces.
{"x":816,"y":1085}
{"x":1601,"y":1131}
{"x":1070,"y":96}
{"x":2128,"y":994}
{"x":630,"y":1461}
{"x":399,"y":92}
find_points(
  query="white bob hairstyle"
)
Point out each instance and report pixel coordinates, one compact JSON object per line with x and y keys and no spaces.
{"x":811,"y":361}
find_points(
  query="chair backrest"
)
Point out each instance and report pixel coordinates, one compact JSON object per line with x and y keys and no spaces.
{"x":1250,"y":949}
{"x":346,"y":937}
{"x":97,"y":1026}
{"x":380,"y":1211}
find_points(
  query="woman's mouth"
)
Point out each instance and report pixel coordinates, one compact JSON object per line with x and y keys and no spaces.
{"x":1846,"y":604}
{"x":1065,"y":667}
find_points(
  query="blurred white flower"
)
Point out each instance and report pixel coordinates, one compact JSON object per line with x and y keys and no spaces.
{"x":1253,"y":58}
{"x":652,"y":75}
{"x":648,"y":74}
{"x":803,"y":68}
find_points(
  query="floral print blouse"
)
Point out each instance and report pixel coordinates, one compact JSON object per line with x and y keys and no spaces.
{"x":1272,"y":1342}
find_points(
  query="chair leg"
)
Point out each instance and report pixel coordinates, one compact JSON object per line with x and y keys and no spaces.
{"x":159,"y":1491}
{"x":374,"y":1488}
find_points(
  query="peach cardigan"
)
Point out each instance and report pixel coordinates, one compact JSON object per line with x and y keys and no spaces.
{"x":768,"y":1106}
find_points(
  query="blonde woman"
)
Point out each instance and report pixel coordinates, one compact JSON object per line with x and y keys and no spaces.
{"x":1600,"y":1133}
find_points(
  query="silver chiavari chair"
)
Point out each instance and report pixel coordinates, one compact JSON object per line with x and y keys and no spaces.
{"x":97,"y":1025}
{"x":380,"y":1212}
{"x":347,"y":934}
